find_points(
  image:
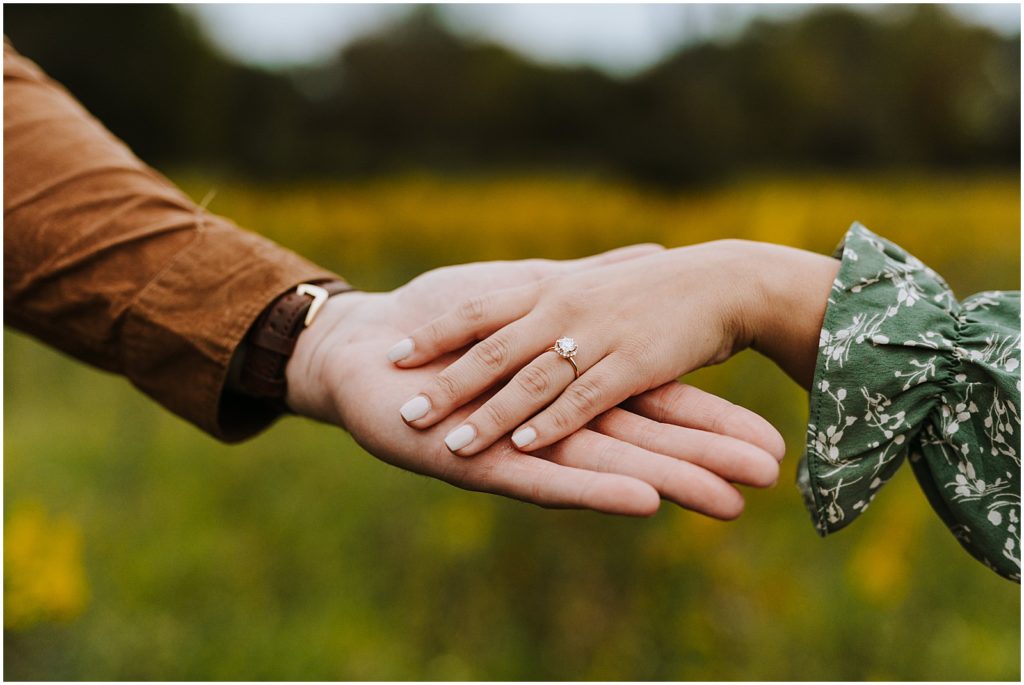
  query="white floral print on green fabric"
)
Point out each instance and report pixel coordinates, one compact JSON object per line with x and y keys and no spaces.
{"x":904,"y":370}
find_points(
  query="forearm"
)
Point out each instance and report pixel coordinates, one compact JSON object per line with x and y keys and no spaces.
{"x":106,"y":260}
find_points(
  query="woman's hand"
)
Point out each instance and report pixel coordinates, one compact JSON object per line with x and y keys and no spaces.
{"x":637,"y":325}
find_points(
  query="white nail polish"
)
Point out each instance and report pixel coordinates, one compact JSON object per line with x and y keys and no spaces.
{"x":460,"y":437}
{"x":401,"y":350}
{"x":524,"y":436}
{"x":416,"y":408}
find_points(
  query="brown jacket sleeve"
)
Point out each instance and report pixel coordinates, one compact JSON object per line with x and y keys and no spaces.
{"x":106,"y":260}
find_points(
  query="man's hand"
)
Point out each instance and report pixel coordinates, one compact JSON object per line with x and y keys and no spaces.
{"x":675,"y":441}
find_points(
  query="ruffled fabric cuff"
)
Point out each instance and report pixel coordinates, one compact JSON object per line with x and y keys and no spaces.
{"x":903,"y":368}
{"x":889,"y":320}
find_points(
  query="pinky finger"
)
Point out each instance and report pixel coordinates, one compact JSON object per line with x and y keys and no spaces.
{"x":474,"y":319}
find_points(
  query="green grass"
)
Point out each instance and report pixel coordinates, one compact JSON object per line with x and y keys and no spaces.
{"x":299,"y":556}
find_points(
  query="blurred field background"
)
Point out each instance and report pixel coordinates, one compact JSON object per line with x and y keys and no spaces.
{"x":137,"y":548}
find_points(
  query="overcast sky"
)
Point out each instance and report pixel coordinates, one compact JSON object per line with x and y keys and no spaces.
{"x":618,"y":38}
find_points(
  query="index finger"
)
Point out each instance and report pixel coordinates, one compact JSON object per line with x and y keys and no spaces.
{"x":475,"y":318}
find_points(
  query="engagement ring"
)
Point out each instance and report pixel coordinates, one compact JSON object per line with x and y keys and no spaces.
{"x":566,"y":349}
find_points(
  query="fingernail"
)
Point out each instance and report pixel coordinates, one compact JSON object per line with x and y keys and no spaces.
{"x":401,"y":350}
{"x":460,"y":437}
{"x":416,"y":408}
{"x":523,"y":437}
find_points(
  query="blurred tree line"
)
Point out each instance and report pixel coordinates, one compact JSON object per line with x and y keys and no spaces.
{"x":911,"y":87}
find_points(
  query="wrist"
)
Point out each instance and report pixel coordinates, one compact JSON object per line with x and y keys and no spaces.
{"x":741,"y":282}
{"x":792,"y":287}
{"x":268,"y":345}
{"x":317,"y":365}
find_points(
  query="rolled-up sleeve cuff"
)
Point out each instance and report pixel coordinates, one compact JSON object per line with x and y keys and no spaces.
{"x":181,"y":332}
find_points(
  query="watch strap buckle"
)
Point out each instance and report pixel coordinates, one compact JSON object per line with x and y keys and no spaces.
{"x":319,"y":296}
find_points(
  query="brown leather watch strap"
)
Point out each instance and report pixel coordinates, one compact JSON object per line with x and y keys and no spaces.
{"x":271,"y":341}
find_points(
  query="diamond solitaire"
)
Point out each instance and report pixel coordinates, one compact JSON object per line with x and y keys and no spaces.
{"x":565,"y":347}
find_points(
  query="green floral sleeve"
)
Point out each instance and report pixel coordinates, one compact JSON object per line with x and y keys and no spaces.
{"x":904,"y":369}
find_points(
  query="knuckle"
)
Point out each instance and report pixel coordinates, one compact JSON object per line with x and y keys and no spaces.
{"x":435,"y":332}
{"x":535,"y":380}
{"x":562,"y":419}
{"x":665,"y":404}
{"x":448,"y":389}
{"x":649,"y":436}
{"x":493,"y":353}
{"x":635,"y":359}
{"x":546,"y":284}
{"x":585,"y":397}
{"x":720,"y":420}
{"x":540,"y":493}
{"x":634,"y":349}
{"x":585,"y":494}
{"x":533,"y":290}
{"x":660,"y":408}
{"x":472,"y":310}
{"x":671,"y":480}
{"x":568,"y":307}
{"x":705,"y":444}
{"x":496,"y":414}
{"x":609,"y":455}
{"x":678,"y":401}
{"x":555,"y":303}
{"x":537,"y":493}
